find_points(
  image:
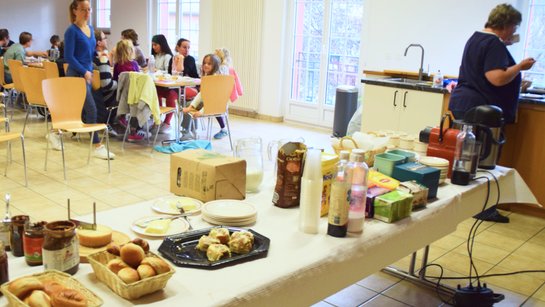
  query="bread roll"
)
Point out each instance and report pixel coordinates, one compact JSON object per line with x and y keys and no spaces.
{"x":37,"y":298}
{"x":145,"y":271}
{"x":158,"y":265}
{"x":238,"y":234}
{"x":114,"y":250}
{"x":102,"y":236}
{"x":216,"y":252}
{"x":128,"y":275}
{"x":132,"y":254}
{"x":21,"y":286}
{"x":142,"y":243}
{"x":205,"y":242}
{"x":222,"y":234}
{"x":115,"y":265}
{"x":52,"y":286}
{"x":240,"y":245}
{"x":68,"y":298}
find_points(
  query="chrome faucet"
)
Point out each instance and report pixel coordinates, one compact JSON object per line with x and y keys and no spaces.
{"x":421,"y":70}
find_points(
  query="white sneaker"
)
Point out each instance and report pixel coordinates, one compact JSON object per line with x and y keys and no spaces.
{"x":54,"y":141}
{"x":164,"y":128}
{"x":143,"y":133}
{"x":187,"y":136}
{"x":102,"y":153}
{"x":111,"y":130}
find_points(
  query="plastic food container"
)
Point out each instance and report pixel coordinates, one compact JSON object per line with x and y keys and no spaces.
{"x":384,"y":163}
{"x":409,"y":156}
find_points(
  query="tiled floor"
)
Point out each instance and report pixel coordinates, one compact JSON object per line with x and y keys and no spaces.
{"x":137,"y":176}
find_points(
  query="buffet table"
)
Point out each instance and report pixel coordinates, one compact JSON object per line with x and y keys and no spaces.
{"x":300,"y":269}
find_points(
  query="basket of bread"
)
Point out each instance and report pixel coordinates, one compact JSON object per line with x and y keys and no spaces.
{"x":131,"y":270}
{"x":49,"y":288}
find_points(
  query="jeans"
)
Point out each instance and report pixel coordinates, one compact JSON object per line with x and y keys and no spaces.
{"x":89,"y":106}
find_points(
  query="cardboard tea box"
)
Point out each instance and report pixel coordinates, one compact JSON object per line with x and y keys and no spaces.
{"x":393,"y":206}
{"x":426,"y":175}
{"x":207,"y":176}
{"x":373,"y":192}
{"x":418,"y":190}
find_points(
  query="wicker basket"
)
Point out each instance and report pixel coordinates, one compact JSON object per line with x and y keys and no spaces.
{"x":369,"y":155}
{"x":69,"y":281}
{"x":127,"y":291}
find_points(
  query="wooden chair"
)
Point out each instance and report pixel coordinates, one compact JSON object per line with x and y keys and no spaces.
{"x":51,"y":70}
{"x":65,"y":98}
{"x":8,"y":137}
{"x":215,"y":92}
{"x":32,"y":81}
{"x":65,"y":66}
{"x":18,"y":86}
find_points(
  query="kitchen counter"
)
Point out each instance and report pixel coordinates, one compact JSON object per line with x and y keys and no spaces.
{"x":408,"y":86}
{"x":534,"y":101}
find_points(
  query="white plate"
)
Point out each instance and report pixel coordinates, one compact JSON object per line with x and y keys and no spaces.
{"x":222,"y":219}
{"x":177,"y":226}
{"x":235,"y":224}
{"x":532,"y":96}
{"x":229,"y":208}
{"x":434,"y":161}
{"x":162,"y":205}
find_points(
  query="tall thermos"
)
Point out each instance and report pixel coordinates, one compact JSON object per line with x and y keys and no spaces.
{"x":346,"y":103}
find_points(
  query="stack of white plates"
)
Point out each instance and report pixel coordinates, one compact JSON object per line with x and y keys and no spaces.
{"x":439,"y":163}
{"x":229,"y":212}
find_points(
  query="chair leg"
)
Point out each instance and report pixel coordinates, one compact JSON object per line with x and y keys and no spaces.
{"x":63,"y":161}
{"x":47,"y":151}
{"x":229,"y":131}
{"x":108,"y":149}
{"x":13,"y":104}
{"x":126,"y":132}
{"x":7,"y":158}
{"x":24,"y":158}
{"x":107,"y":122}
{"x":91,"y":146}
{"x":8,"y":129}
{"x":194,"y":122}
{"x":26,"y":118}
{"x":147,"y":130}
{"x":209,"y":132}
{"x":155,"y":139}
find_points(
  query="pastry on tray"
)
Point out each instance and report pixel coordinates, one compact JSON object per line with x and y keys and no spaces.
{"x":238,"y":234}
{"x":216,"y":252}
{"x":222,"y":234}
{"x":205,"y":242}
{"x":240,"y":245}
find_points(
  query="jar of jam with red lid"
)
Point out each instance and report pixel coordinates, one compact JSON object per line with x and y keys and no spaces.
{"x":18,"y":225}
{"x":60,"y":250}
{"x":4,"y":272}
{"x":33,"y":239}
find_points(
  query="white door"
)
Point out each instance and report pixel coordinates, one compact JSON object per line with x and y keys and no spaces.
{"x":324,"y":53}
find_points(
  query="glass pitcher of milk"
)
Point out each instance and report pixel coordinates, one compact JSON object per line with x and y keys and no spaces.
{"x":274,"y":146}
{"x":250,"y":149}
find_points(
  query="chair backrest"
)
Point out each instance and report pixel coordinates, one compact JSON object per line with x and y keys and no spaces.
{"x":64,"y":98}
{"x":216,"y":91}
{"x":65,"y":65}
{"x":2,"y":70}
{"x":32,"y":81}
{"x":96,"y":80}
{"x":14,"y":66}
{"x":51,"y":70}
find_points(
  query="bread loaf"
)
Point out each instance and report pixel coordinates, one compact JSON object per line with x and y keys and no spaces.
{"x":24,"y":285}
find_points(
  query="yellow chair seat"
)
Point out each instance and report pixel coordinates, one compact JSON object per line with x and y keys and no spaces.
{"x":163,"y":110}
{"x":2,"y":119}
{"x":7,"y":136}
{"x":78,"y":127}
{"x":8,"y":86}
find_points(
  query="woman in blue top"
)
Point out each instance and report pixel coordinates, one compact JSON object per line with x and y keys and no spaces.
{"x":79,"y":46}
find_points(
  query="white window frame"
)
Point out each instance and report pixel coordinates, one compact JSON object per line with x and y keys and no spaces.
{"x":94,"y":16}
{"x":527,"y":31}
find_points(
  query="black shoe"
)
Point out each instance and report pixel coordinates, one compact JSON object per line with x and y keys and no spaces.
{"x":495,"y":216}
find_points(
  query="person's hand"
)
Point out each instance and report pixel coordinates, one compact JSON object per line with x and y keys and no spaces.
{"x":185,"y":110}
{"x":527,"y":63}
{"x":42,"y":54}
{"x":88,"y":77}
{"x":197,"y":114}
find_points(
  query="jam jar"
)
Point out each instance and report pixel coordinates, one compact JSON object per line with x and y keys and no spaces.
{"x":18,"y":225}
{"x":60,"y":250}
{"x":33,"y":240}
{"x":4,"y":272}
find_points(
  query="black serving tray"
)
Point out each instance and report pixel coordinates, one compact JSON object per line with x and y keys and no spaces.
{"x":180,"y":249}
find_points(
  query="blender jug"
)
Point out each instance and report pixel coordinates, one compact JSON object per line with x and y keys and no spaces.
{"x":250,"y":149}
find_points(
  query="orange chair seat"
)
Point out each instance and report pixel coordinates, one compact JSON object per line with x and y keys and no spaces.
{"x":7,"y":136}
{"x":78,"y":127}
{"x":8,"y":86}
{"x":2,"y":119}
{"x":163,"y":110}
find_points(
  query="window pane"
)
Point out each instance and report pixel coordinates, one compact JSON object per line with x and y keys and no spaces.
{"x":103,"y":14}
{"x":535,"y":43}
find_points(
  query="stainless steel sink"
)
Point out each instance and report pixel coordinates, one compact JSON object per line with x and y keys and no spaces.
{"x":407,"y":81}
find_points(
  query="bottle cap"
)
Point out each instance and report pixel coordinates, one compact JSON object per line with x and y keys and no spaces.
{"x":357,"y":155}
{"x":344,"y":155}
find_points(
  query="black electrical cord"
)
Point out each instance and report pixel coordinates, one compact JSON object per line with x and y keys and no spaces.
{"x":487,"y":275}
{"x":439,"y":283}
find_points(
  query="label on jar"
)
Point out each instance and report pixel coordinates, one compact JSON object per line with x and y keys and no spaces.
{"x":339,"y":206}
{"x":61,"y":259}
{"x":33,"y":249}
{"x":4,"y":237}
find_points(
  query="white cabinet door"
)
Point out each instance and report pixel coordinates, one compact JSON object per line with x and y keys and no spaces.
{"x":380,"y":108}
{"x":418,"y":110}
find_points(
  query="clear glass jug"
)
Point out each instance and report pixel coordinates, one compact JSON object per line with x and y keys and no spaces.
{"x":250,"y":149}
{"x":274,"y":146}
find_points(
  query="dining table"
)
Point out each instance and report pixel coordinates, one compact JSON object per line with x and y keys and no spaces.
{"x":299,"y":269}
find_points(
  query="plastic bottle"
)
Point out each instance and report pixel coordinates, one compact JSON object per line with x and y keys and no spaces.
{"x":174,"y":69}
{"x":358,"y":171}
{"x":465,"y":157}
{"x":311,"y":192}
{"x":438,"y":79}
{"x":339,"y":205}
{"x":151,"y":65}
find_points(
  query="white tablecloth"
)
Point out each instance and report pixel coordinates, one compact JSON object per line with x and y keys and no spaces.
{"x":300,"y":269}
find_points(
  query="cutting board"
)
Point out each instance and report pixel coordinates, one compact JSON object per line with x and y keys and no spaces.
{"x":118,"y":238}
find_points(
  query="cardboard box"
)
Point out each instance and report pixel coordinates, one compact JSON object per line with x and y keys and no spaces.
{"x":418,"y":190}
{"x":207,"y":176}
{"x":373,"y":192}
{"x":424,"y":174}
{"x":393,"y":206}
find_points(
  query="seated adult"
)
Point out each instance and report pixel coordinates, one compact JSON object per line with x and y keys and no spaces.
{"x":108,"y":86}
{"x":60,"y":61}
{"x":18,"y":52}
{"x":5,"y":42}
{"x":55,"y":41}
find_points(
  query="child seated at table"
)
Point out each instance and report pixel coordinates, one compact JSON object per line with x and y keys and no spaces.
{"x":163,"y":56}
{"x":124,"y":56}
{"x":210,"y":66}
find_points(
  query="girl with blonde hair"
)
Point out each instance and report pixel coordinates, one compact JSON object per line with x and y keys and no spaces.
{"x":124,"y":56}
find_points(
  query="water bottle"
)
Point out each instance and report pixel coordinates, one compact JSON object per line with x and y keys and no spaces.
{"x":465,"y":157}
{"x":151,"y":66}
{"x":358,"y":171}
{"x":339,"y":205}
{"x":438,"y":79}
